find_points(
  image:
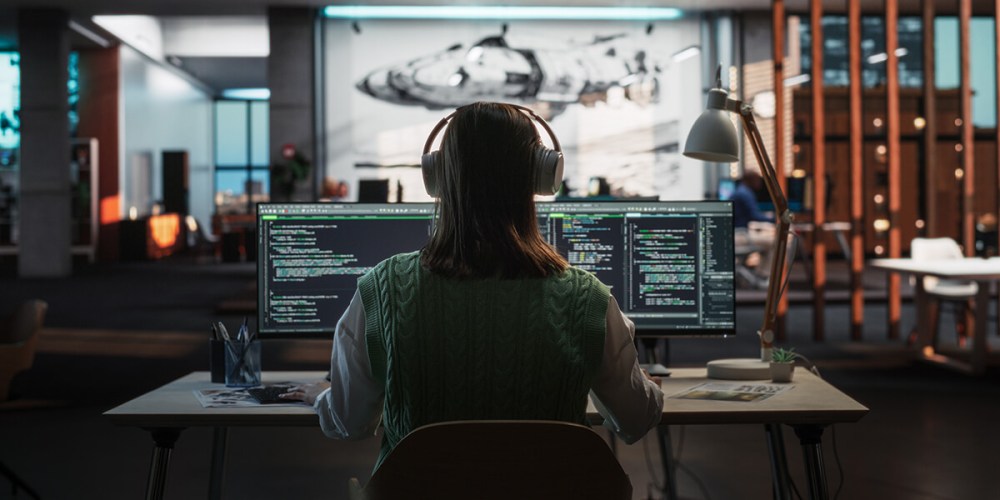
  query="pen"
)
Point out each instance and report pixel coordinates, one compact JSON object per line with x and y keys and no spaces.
{"x":222,"y":329}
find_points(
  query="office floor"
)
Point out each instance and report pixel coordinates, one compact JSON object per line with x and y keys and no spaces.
{"x":115,"y":332}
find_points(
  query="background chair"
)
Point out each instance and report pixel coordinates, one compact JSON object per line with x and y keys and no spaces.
{"x":200,"y":242}
{"x":957,"y":292}
{"x":18,"y":337}
{"x":498,"y":459}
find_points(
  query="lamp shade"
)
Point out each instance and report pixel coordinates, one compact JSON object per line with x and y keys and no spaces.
{"x":713,"y":136}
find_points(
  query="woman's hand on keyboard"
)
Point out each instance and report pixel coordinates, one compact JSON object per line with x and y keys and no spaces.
{"x":305,"y":392}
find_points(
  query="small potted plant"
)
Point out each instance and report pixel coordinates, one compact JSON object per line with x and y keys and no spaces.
{"x":782,"y":364}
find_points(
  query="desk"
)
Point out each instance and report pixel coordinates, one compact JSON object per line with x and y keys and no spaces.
{"x":808,"y":409}
{"x":982,"y":271}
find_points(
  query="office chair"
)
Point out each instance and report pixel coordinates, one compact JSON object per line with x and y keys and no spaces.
{"x":198,"y":240}
{"x":18,"y":337}
{"x":498,"y":459}
{"x":956,"y":292}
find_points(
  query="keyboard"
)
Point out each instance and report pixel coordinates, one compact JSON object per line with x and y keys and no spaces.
{"x":268,"y":395}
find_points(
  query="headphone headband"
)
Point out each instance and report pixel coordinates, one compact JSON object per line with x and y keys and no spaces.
{"x":444,"y":122}
{"x":547,"y":164}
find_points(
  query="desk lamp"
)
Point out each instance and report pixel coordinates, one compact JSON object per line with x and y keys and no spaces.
{"x":713,"y":138}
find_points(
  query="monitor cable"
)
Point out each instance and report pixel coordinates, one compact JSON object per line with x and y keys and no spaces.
{"x":662,"y":487}
{"x":833,"y":429}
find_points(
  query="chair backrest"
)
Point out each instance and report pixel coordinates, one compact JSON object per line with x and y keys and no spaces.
{"x":18,"y":338}
{"x":24,"y":322}
{"x":934,"y":249}
{"x":500,"y":459}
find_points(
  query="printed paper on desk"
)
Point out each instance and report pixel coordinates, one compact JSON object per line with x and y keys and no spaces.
{"x":232,"y":398}
{"x":733,"y":391}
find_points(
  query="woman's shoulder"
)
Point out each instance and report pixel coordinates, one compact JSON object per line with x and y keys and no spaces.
{"x":399,"y":261}
{"x":578,"y":274}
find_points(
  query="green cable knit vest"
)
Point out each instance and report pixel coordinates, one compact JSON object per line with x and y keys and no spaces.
{"x":473,"y":349}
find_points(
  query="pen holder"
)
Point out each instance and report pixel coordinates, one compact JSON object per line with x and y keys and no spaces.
{"x":217,"y":360}
{"x":242,"y":364}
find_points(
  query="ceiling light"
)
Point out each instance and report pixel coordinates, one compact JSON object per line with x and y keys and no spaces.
{"x":247,"y":94}
{"x":500,"y":12}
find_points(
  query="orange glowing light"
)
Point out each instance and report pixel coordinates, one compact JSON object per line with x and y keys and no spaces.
{"x":110,"y":206}
{"x":165,"y":229}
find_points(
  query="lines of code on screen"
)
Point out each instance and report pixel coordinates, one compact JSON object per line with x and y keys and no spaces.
{"x":669,"y":264}
{"x":312,"y":264}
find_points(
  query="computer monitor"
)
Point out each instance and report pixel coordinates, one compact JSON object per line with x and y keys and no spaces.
{"x":670,"y":265}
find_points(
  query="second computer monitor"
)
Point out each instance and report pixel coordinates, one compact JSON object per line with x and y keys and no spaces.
{"x":669,"y":264}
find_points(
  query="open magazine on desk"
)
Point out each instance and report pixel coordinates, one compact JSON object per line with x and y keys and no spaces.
{"x":741,"y":391}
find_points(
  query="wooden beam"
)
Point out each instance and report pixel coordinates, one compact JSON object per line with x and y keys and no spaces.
{"x":968,"y":144}
{"x":856,"y":140}
{"x":819,"y":171}
{"x":931,"y":222}
{"x":892,"y":144}
{"x":996,"y":79}
{"x":778,"y":55}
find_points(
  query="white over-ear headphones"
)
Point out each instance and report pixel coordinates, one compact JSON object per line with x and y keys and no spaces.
{"x":547,"y":163}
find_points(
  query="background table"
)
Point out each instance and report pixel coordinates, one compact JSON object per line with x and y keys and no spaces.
{"x":983,"y":271}
{"x":808,"y":408}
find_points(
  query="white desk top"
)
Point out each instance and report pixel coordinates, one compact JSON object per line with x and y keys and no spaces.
{"x":969,"y":268}
{"x":811,"y":401}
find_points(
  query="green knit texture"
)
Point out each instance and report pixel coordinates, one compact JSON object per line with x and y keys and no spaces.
{"x":474,"y":349}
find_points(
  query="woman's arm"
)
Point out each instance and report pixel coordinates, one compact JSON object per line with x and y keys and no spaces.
{"x":629,"y":400}
{"x":351,"y":408}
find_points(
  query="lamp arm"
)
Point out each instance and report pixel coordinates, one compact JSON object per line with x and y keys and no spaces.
{"x":783,"y":221}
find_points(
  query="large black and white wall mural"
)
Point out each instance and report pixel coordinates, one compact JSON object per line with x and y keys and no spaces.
{"x":615,"y":93}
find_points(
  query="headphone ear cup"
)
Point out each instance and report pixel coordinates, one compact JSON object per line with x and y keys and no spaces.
{"x":548,"y":171}
{"x":429,"y":169}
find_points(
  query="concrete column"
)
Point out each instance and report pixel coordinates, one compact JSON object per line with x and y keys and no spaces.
{"x":291,"y":76}
{"x":43,"y":40}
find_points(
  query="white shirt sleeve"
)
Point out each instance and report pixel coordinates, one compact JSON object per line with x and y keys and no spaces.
{"x":352,"y":407}
{"x":630,"y":403}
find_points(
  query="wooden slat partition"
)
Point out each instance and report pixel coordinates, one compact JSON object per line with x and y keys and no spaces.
{"x":819,"y":171}
{"x":856,"y":139}
{"x":778,"y":51}
{"x":996,"y":78}
{"x":931,"y":218}
{"x":968,"y":144}
{"x":892,"y":144}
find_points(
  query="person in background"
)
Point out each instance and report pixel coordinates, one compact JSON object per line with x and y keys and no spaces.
{"x":744,"y":198}
{"x":487,"y":321}
{"x":753,"y":246}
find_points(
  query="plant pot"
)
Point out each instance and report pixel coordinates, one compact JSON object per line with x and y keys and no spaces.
{"x":782,"y":372}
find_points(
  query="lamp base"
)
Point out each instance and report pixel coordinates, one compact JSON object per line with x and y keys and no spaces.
{"x":739,"y":369}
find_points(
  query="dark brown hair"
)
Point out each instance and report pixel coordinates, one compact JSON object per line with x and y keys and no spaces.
{"x":486,"y":222}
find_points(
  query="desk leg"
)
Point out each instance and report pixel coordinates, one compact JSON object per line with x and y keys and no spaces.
{"x":157,"y":481}
{"x":667,"y":453}
{"x":925,"y":335}
{"x":979,"y":348}
{"x":217,"y":473}
{"x":779,"y":462}
{"x":810,"y":436}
